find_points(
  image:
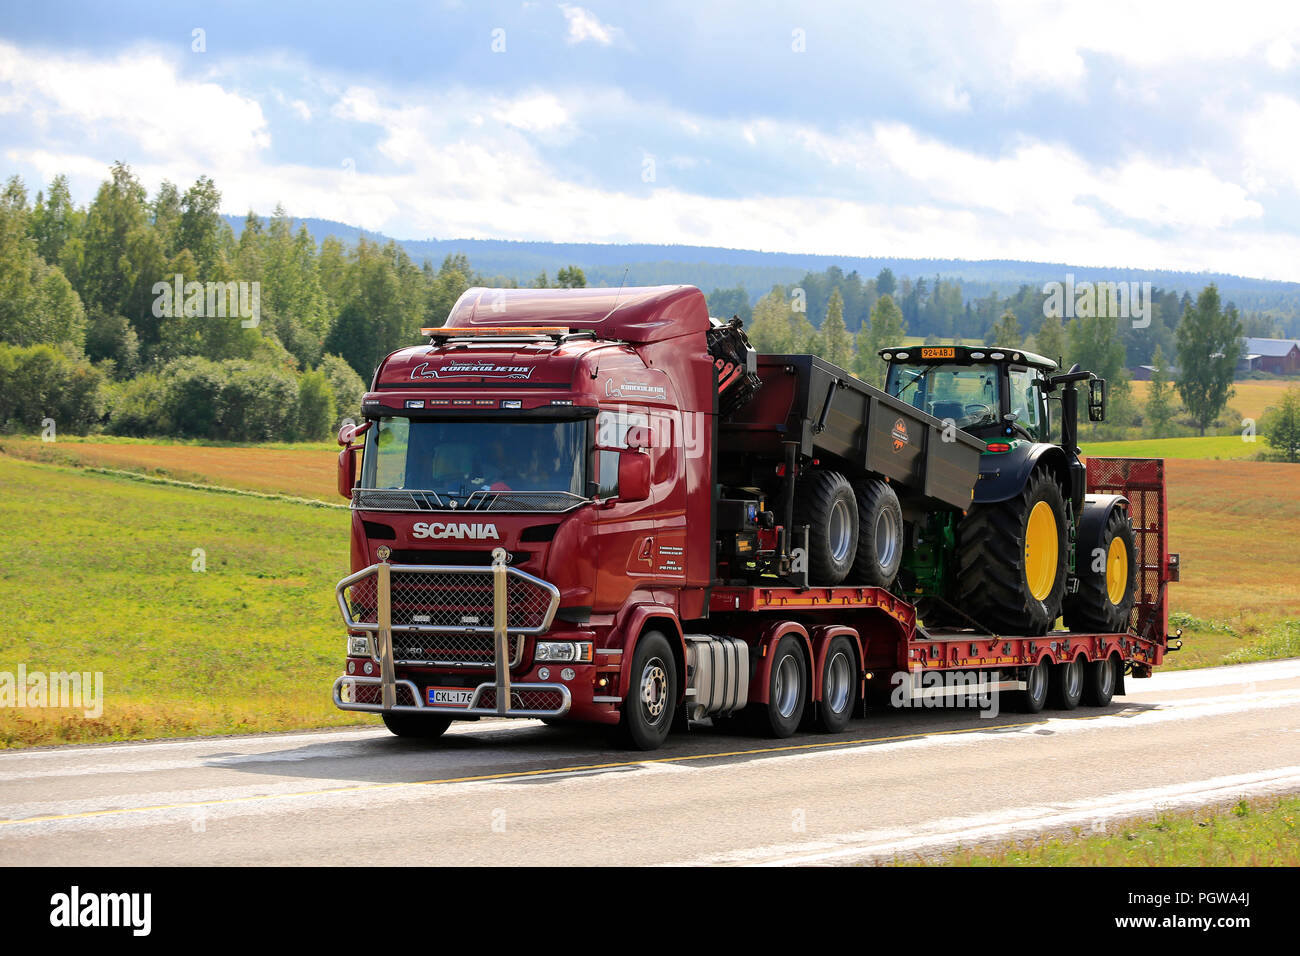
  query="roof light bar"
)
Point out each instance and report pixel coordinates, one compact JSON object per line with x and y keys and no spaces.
{"x":501,"y":331}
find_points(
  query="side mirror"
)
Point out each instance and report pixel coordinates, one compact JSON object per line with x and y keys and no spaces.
{"x":1097,"y":400}
{"x":633,"y":475}
{"x":347,"y":433}
{"x":347,"y":470}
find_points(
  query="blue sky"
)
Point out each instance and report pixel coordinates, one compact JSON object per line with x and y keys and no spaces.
{"x":1104,"y":133}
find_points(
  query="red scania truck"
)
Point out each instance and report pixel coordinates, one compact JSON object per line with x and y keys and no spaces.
{"x":602,"y":505}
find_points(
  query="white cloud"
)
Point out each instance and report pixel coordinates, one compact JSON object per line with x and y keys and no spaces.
{"x":584,"y":26}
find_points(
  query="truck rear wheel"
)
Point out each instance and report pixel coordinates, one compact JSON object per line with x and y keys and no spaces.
{"x":880,"y":534}
{"x":1067,"y":684}
{"x":825,"y":502}
{"x":426,"y":726}
{"x":651,"y":698}
{"x":839,"y":686}
{"x":1032,"y":699}
{"x":787,"y":692}
{"x":1011,"y":559}
{"x":1099,"y":682}
{"x":1107,"y":571}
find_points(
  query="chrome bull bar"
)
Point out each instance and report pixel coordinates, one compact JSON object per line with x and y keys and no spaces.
{"x":534,"y":614}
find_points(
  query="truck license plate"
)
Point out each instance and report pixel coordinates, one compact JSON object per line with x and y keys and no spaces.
{"x":449,"y":696}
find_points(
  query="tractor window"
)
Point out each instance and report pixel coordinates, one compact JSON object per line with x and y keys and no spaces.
{"x":1026,"y":401}
{"x":966,"y":394}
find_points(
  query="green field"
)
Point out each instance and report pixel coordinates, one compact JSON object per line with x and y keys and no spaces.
{"x":1252,"y":833}
{"x":1213,"y":447}
{"x":100,"y":571}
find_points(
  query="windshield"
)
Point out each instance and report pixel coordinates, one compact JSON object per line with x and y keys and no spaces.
{"x":966,"y":394}
{"x":459,"y":459}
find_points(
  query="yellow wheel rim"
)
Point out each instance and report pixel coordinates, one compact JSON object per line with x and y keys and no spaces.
{"x":1042,"y":550}
{"x":1116,"y":571}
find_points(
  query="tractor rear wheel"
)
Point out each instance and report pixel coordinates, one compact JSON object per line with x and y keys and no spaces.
{"x":1011,"y":559}
{"x":1107,"y":571}
{"x":825,"y":502}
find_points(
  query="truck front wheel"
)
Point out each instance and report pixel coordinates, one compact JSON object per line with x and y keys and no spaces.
{"x":426,"y":726}
{"x":651,"y":698}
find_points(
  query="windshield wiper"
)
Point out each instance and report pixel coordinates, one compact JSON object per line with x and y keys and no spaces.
{"x":917,"y":380}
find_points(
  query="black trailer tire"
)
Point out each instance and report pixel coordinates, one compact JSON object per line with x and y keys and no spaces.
{"x":650,"y":701}
{"x":1011,"y":559}
{"x":880,"y":534}
{"x":1066,"y":688}
{"x":787,"y":692}
{"x":840,"y":681}
{"x":1099,"y":682}
{"x":1033,"y":698}
{"x":825,"y":502}
{"x":1107,"y":573}
{"x":418,"y":726}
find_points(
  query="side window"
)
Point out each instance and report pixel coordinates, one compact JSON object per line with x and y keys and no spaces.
{"x":1026,"y":400}
{"x":612,"y":428}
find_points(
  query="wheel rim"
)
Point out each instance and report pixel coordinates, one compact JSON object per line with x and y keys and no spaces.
{"x":654,"y":689}
{"x":1116,"y":571}
{"x":1036,"y":681}
{"x":1073,"y":679}
{"x":786,"y":692}
{"x":839,"y":531}
{"x":1042,"y":550}
{"x":886,"y":538}
{"x":838,"y":683}
{"x":1107,"y":676}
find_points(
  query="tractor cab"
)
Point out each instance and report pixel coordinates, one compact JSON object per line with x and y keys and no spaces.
{"x":991,"y":393}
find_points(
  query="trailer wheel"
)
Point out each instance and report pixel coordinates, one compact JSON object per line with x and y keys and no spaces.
{"x":880,"y":534}
{"x":651,"y":700}
{"x":1067,"y":684}
{"x":1034,"y":696}
{"x":825,"y":502}
{"x":420,"y":726}
{"x":1107,"y":571}
{"x":787,"y":692}
{"x":1011,"y":559}
{"x":1099,"y":682}
{"x":839,"y":686}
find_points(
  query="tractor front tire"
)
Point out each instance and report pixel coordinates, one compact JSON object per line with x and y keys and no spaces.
{"x":1011,"y":559}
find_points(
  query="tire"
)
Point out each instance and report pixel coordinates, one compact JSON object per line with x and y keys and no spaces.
{"x":418,"y":726}
{"x":1067,"y":684}
{"x":1099,"y":683}
{"x":880,"y":534}
{"x":1104,"y":601}
{"x":1004,"y":584}
{"x":651,"y":698}
{"x":839,"y":687}
{"x":1034,"y":697}
{"x":825,"y":502}
{"x":787,"y":692}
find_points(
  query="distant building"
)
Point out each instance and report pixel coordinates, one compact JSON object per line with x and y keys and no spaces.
{"x":1143,"y":373}
{"x":1276,"y":356}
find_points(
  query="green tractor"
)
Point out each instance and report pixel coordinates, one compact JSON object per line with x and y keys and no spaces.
{"x":1032,"y":547}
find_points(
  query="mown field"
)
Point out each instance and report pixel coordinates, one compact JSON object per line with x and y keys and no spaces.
{"x":1251,"y":398}
{"x":98,"y":573}
{"x":100,"y":567}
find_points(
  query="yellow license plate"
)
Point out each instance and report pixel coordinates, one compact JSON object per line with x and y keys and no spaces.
{"x":938,"y":353}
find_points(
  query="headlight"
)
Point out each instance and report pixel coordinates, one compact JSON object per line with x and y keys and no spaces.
{"x":563,"y":651}
{"x":358,"y":645}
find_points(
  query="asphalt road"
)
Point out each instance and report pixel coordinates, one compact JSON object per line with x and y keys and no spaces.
{"x":896,"y":784}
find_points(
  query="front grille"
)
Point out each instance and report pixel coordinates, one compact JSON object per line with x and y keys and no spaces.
{"x":396,"y":499}
{"x":374,"y":694}
{"x":451,"y":649}
{"x":455,"y":599}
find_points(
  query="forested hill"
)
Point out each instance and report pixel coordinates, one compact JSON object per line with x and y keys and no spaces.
{"x":714,"y":267}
